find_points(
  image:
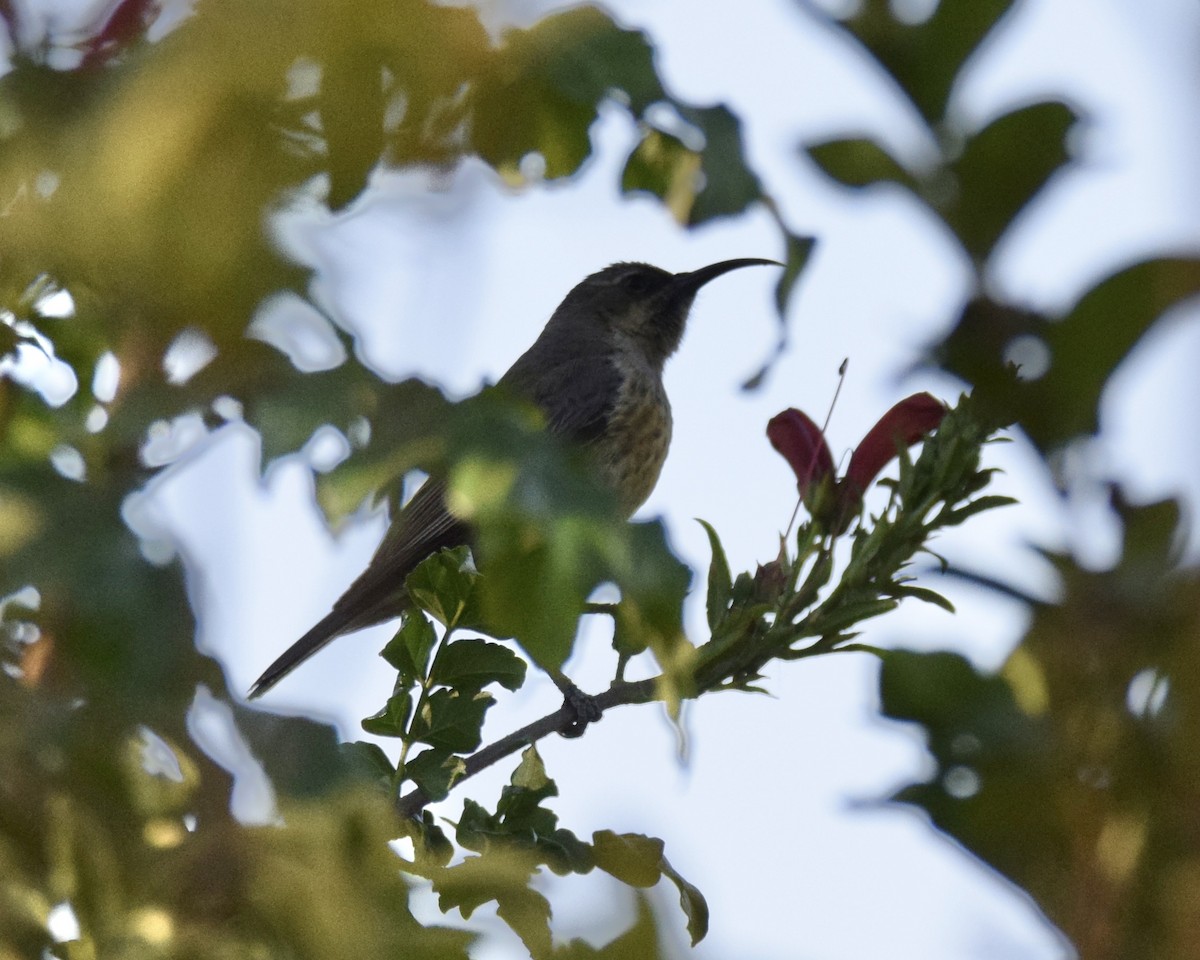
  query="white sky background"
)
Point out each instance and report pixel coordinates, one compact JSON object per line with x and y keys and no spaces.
{"x":768,"y":816}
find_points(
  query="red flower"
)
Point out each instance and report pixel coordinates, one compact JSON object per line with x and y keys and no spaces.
{"x":902,"y":426}
{"x":803,"y":445}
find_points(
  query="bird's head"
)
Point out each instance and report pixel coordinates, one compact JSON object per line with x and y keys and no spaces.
{"x":643,"y":302}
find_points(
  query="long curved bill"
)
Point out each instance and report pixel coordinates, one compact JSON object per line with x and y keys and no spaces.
{"x":688,"y":283}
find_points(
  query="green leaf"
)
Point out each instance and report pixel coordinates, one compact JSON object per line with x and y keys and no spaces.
{"x":729,"y":184}
{"x":640,"y":941}
{"x":1084,"y":348}
{"x":470,"y":665}
{"x":630,"y":857}
{"x":653,"y":586}
{"x":692,"y":901}
{"x":482,"y":879}
{"x":451,"y":721}
{"x":663,"y":166}
{"x":435,"y":772}
{"x":720,"y":582}
{"x":921,"y":593}
{"x":352,"y":106}
{"x":527,"y":913}
{"x":369,"y":759}
{"x":408,"y":651}
{"x":1002,"y":168}
{"x":531,"y":772}
{"x":444,"y":586}
{"x":925,"y":58}
{"x":978,"y":505}
{"x":847,"y":614}
{"x":392,"y":720}
{"x":541,"y":92}
{"x":860,"y":163}
{"x":799,"y":250}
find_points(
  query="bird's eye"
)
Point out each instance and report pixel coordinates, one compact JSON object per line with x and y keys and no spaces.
{"x":639,"y":283}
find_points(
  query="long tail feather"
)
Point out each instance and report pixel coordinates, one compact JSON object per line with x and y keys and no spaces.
{"x":328,"y":628}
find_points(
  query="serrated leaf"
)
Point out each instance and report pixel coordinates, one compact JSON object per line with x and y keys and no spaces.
{"x":435,"y":772}
{"x":720,"y":582}
{"x":444,"y":586}
{"x":470,"y":665}
{"x":451,"y":721}
{"x":632,"y":858}
{"x":392,"y":720}
{"x":408,"y":651}
{"x":692,"y":901}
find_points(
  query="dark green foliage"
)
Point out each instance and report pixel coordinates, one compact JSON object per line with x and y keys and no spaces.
{"x":143,"y":184}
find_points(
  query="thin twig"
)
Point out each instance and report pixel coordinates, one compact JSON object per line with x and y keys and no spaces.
{"x":619,"y":694}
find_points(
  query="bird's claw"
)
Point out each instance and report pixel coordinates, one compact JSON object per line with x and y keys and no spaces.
{"x":584,"y":708}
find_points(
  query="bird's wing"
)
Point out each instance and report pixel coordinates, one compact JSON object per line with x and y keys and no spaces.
{"x":421,"y":528}
{"x":577,"y":394}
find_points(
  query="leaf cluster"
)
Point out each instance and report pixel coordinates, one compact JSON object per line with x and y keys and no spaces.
{"x":1065,"y":771}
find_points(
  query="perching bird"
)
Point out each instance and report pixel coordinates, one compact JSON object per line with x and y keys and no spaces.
{"x":596,"y":373}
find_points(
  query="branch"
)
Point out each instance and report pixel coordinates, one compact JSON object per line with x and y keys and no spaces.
{"x":619,"y":694}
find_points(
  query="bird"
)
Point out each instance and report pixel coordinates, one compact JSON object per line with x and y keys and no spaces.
{"x":595,"y":371}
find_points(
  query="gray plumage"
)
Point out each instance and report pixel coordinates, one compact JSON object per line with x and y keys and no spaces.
{"x":596,"y":373}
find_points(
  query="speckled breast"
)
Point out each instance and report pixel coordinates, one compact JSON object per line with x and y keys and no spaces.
{"x":632,"y":452}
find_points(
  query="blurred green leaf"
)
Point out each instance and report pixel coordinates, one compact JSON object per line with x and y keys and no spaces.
{"x":692,"y":902}
{"x":1083,"y":348}
{"x":729,"y":186}
{"x":640,"y":941}
{"x":500,"y":876}
{"x":352,"y":105}
{"x":663,"y":166}
{"x":470,"y":665}
{"x":860,"y":163}
{"x":925,"y":58}
{"x":1070,"y":772}
{"x":542,"y":91}
{"x":720,"y":581}
{"x":1001,"y":169}
{"x":630,"y":857}
{"x":799,"y":249}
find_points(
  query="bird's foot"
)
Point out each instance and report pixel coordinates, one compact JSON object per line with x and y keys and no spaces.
{"x":583,"y":708}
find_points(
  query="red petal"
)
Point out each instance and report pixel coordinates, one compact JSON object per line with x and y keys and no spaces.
{"x":125,"y":24}
{"x":803,"y":446}
{"x":902,"y":426}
